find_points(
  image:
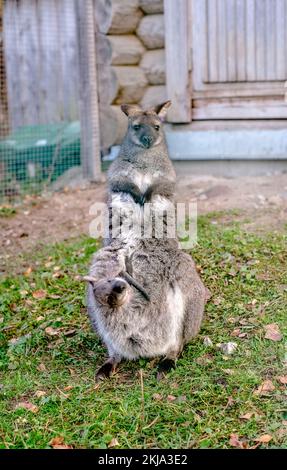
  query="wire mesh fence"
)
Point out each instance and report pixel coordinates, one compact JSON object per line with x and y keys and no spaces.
{"x":40,"y":132}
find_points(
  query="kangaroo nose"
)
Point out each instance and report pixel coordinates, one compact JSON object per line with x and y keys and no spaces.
{"x":147,"y":141}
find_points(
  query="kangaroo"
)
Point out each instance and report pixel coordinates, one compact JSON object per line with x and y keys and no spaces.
{"x":144,"y":296}
{"x":142,"y":172}
{"x":132,"y":326}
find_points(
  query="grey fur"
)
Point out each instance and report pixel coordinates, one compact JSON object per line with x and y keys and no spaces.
{"x":162,"y":308}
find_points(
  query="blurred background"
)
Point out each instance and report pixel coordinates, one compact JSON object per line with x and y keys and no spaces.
{"x":66,"y":66}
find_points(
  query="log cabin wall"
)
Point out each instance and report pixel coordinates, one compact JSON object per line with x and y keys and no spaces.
{"x":131,"y":60}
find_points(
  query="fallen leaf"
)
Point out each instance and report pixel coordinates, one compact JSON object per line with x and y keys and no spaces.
{"x":28,"y":406}
{"x":227,"y":348}
{"x":207,"y":341}
{"x":58,"y":443}
{"x":69,"y":332}
{"x":28,"y":272}
{"x":235,"y":442}
{"x":284,"y":422}
{"x":264,"y":438}
{"x":204,"y":360}
{"x":114,"y":442}
{"x":40,"y":393}
{"x":157,"y":396}
{"x":235,"y":332}
{"x":171,"y":398}
{"x":23,"y":293}
{"x":69,"y":387}
{"x":72,"y":372}
{"x":217,"y":301}
{"x":51,"y":331}
{"x":41,"y":367}
{"x":228,"y":371}
{"x":283,"y":379}
{"x":273,"y":332}
{"x":57,"y":268}
{"x":281,"y":433}
{"x":40,"y":318}
{"x":265,"y":388}
{"x":39,"y":294}
{"x":230,"y":402}
{"x":181,"y":398}
{"x":57,"y":274}
{"x":247,"y":416}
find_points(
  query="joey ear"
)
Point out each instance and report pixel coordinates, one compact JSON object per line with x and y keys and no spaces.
{"x":161,"y":109}
{"x":130,"y":109}
{"x":90,"y":279}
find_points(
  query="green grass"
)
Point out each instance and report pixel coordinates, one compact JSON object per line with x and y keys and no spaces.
{"x":245,"y":274}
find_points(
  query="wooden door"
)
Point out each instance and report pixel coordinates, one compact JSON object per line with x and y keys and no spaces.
{"x":239,"y":59}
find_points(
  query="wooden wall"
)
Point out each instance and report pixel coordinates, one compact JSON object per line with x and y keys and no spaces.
{"x":41,"y":57}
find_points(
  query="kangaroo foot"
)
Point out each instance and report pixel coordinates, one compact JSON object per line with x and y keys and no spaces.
{"x":164,"y":367}
{"x":106,"y":370}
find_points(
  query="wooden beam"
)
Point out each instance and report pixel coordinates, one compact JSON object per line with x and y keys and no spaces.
{"x":178,"y":59}
{"x":88,"y":93}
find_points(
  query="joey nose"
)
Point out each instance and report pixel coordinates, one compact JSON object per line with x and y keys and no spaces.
{"x":147,"y":141}
{"x":119,"y":286}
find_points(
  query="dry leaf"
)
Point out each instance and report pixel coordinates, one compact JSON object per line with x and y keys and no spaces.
{"x":69,"y":387}
{"x":230,"y":402}
{"x":247,"y":416}
{"x":281,"y":433}
{"x":114,"y":442}
{"x":235,"y":442}
{"x":207,"y":342}
{"x":284,"y":422}
{"x":235,"y":332}
{"x":28,"y":406}
{"x":41,"y":367}
{"x":51,"y":331}
{"x":171,"y":398}
{"x":264,"y":438}
{"x":227,"y":348}
{"x":204,"y":360}
{"x":40,"y":393}
{"x":273,"y":332}
{"x":265,"y":388}
{"x":39,"y":294}
{"x":72,"y":372}
{"x":157,"y":396}
{"x":58,"y":443}
{"x":283,"y":379}
{"x":28,"y":272}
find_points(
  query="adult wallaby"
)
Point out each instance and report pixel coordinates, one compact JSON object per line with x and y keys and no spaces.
{"x":132,"y":326}
{"x":143,"y":172}
{"x":145,"y":297}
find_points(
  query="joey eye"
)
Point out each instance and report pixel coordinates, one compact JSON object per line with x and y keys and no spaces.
{"x":136,"y":127}
{"x":156,"y":128}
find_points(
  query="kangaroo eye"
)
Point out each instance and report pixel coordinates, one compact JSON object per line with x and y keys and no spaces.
{"x":136,"y":127}
{"x":156,"y":128}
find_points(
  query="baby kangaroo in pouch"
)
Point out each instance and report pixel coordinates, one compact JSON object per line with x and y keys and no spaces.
{"x":144,"y":295}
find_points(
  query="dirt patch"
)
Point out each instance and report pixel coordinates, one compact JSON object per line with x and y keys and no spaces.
{"x":41,"y":220}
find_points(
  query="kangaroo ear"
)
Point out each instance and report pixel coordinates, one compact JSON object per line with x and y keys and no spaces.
{"x":90,"y":279}
{"x":161,"y":109}
{"x":131,"y":109}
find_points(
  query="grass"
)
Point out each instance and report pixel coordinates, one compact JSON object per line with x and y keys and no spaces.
{"x":48,"y":355}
